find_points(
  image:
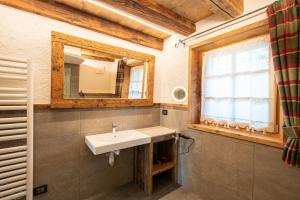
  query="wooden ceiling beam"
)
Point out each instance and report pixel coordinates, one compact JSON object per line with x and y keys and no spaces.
{"x":99,"y":54}
{"x":57,"y":11}
{"x":227,"y":8}
{"x":93,"y":57}
{"x":152,"y":11}
{"x":102,"y":12}
{"x":135,"y":63}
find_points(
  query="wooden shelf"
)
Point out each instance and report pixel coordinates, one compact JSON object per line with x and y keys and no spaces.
{"x":159,"y":168}
{"x":147,"y":170}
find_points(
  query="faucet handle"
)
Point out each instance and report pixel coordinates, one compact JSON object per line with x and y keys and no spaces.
{"x":114,"y":125}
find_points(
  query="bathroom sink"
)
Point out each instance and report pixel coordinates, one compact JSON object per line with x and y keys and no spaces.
{"x":108,"y":142}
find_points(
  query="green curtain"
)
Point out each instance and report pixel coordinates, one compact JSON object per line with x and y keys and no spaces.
{"x":284,"y":21}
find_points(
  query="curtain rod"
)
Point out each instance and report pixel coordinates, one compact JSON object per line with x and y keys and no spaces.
{"x":183,"y":41}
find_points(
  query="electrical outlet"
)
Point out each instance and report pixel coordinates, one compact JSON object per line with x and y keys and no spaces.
{"x":40,"y":190}
{"x":165,"y":112}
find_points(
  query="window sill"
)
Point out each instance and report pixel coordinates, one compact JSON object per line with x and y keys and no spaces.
{"x":274,"y":140}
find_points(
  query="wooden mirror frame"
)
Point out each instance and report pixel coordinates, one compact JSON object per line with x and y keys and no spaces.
{"x":59,"y":40}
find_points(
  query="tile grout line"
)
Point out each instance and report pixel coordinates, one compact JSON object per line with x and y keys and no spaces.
{"x":253,"y":171}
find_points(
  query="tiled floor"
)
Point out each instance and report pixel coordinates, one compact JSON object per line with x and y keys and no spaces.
{"x":180,"y":194}
{"x":133,"y":192}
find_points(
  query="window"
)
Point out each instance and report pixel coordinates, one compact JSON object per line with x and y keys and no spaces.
{"x":136,"y":82}
{"x":238,"y":86}
{"x":232,"y":91}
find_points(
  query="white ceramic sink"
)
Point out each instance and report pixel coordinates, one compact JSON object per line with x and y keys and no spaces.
{"x":108,"y":142}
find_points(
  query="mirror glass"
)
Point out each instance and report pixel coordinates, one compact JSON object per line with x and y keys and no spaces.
{"x":95,"y":74}
{"x":179,"y":94}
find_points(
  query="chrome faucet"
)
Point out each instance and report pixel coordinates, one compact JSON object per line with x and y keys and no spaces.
{"x":114,"y":128}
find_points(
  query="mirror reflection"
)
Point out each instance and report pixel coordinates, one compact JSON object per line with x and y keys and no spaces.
{"x":95,"y":74}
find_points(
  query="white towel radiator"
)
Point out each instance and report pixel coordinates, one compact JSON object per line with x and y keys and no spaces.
{"x":16,"y":129}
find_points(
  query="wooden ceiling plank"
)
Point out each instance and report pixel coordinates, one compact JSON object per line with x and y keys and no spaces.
{"x":228,"y":8}
{"x":194,"y":10}
{"x":154,"y":12}
{"x":76,"y":17}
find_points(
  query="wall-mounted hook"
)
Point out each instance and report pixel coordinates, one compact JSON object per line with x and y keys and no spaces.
{"x":177,"y":44}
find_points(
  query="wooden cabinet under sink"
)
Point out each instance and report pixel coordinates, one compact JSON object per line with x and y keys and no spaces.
{"x":156,"y":163}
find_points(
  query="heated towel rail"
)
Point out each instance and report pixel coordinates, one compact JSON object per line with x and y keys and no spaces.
{"x":16,"y":129}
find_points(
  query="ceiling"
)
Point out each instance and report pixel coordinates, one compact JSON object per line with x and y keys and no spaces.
{"x":176,"y":15}
{"x":195,"y":10}
{"x":144,"y":22}
{"x":104,"y":13}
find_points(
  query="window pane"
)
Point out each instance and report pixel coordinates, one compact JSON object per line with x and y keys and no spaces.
{"x":219,"y":64}
{"x":260,"y":111}
{"x":242,"y":85}
{"x":237,"y":84}
{"x":253,"y":59}
{"x":242,"y":110}
{"x":260,"y":85}
{"x":218,"y":87}
{"x":220,"y":109}
{"x":136,"y":82}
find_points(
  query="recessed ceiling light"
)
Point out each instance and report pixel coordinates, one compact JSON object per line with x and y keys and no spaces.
{"x":119,"y":12}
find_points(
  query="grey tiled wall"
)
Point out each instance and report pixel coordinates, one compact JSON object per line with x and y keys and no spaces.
{"x":216,"y":168}
{"x":221,"y":168}
{"x":62,"y":160}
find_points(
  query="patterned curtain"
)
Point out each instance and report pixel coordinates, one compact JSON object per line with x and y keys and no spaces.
{"x":284,"y":21}
{"x":120,"y":77}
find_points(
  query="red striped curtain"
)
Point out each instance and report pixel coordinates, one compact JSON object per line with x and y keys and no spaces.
{"x":120,"y":78}
{"x":284,"y":21}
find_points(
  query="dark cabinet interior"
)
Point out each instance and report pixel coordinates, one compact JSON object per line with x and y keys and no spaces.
{"x":156,"y":164}
{"x":163,"y":156}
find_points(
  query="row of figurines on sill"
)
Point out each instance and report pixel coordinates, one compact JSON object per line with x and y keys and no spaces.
{"x":234,"y":125}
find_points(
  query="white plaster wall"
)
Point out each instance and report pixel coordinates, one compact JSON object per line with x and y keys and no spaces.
{"x":28,"y":36}
{"x":172,"y":70}
{"x":90,"y":81}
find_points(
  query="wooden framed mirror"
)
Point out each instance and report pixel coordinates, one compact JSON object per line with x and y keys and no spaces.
{"x":90,"y":74}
